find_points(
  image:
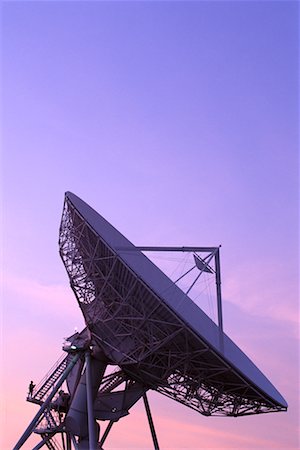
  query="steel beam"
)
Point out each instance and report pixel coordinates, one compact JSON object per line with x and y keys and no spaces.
{"x":42,"y":443}
{"x":151,"y":424}
{"x":106,"y":432}
{"x":90,"y":403}
{"x":219,"y":296}
{"x":175,"y":249}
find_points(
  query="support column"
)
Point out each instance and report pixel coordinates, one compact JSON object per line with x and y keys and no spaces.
{"x":42,"y":443}
{"x":219,"y":298}
{"x":68,"y":438}
{"x":90,"y":403}
{"x":151,"y":424}
{"x":106,"y":432}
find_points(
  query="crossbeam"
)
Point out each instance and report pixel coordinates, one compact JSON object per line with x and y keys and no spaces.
{"x":177,"y":249}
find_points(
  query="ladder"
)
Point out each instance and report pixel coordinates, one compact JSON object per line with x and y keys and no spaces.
{"x":50,"y":443}
{"x":48,"y":381}
{"x":111,"y":381}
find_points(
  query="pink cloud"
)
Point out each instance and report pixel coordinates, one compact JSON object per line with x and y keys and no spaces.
{"x":29,"y":354}
{"x":52,"y":300}
{"x":264,"y":288}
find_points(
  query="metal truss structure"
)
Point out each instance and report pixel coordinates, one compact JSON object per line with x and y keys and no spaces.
{"x":142,"y":324}
{"x":142,"y":335}
{"x":67,"y":417}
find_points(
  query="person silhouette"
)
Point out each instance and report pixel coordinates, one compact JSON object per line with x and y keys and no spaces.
{"x":31,"y":387}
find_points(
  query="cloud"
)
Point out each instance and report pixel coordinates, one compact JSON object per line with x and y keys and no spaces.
{"x":180,"y":428}
{"x":34,"y":289}
{"x":188,"y":430}
{"x":48,"y":299}
{"x":267,"y":289}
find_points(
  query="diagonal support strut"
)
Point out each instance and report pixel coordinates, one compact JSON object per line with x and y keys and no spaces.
{"x":151,"y":424}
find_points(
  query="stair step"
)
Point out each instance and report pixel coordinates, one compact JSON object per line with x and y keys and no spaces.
{"x":50,"y":381}
{"x":50,"y":443}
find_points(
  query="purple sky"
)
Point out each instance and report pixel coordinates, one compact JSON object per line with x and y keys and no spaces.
{"x":178,"y":122}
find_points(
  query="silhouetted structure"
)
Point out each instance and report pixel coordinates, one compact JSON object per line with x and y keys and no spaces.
{"x":139,"y":322}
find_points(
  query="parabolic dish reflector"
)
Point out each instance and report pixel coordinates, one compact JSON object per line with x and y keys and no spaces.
{"x":151,"y":329}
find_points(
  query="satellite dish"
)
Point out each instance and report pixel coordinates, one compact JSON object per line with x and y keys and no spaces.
{"x":139,"y":322}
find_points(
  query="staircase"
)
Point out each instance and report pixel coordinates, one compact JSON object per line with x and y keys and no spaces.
{"x":111,"y":381}
{"x":50,"y":422}
{"x":47,"y":428}
{"x":51,"y":443}
{"x":40,"y":392}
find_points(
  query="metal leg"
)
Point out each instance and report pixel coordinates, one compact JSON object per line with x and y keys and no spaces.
{"x":105,"y":434}
{"x":45,"y":405}
{"x":68,"y":439}
{"x":151,"y":424}
{"x":42,"y":443}
{"x":90,"y":403}
{"x":63,"y":441}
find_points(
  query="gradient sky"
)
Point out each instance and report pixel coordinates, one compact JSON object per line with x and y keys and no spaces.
{"x":178,"y":122}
